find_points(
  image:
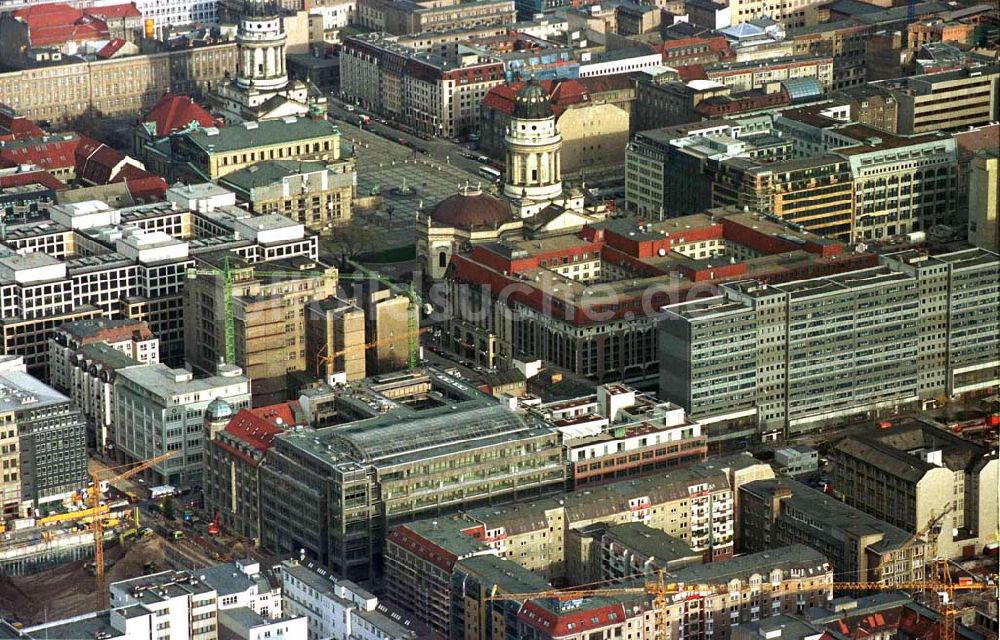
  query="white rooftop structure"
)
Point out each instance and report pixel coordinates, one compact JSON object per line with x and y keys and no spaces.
{"x":84,"y":215}
{"x":31,"y":267}
{"x":202,"y":197}
{"x":150,"y":246}
{"x":269,"y":228}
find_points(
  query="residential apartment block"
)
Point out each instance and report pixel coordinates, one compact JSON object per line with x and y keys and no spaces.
{"x":860,"y":547}
{"x":340,"y":609}
{"x":759,"y":359}
{"x":912,"y":474}
{"x":159,"y":409}
{"x":436,"y":95}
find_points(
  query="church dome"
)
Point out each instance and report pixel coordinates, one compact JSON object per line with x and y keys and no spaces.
{"x":531,"y":102}
{"x":218,"y":410}
{"x":471,"y":208}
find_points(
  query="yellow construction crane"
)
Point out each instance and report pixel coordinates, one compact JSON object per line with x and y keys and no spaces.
{"x":658,"y":589}
{"x":95,"y":504}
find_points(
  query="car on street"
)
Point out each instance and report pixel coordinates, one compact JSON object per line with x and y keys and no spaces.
{"x":349,"y":107}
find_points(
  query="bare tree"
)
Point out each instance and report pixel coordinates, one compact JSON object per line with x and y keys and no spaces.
{"x":349,"y":240}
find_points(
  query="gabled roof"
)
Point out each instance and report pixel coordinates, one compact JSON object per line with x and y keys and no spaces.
{"x":97,"y":163}
{"x":173,"y":113}
{"x":141,"y":184}
{"x":111,"y":48}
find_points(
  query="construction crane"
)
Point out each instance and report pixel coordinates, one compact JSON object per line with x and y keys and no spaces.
{"x":322,"y":356}
{"x":412,"y":313}
{"x":231,"y":274}
{"x":659,"y":589}
{"x":98,"y":525}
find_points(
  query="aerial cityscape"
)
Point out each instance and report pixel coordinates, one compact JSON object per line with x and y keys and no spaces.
{"x":499,"y":319}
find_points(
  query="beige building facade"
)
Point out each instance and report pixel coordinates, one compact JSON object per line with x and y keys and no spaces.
{"x":120,"y":87}
{"x":984,"y":191}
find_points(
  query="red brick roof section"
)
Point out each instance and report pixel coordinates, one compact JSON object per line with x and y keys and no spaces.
{"x":256,"y":430}
{"x":173,"y":113}
{"x":111,"y":48}
{"x":115,"y":11}
{"x":572,"y":622}
{"x":57,"y":23}
{"x":14,"y":126}
{"x":41,"y":177}
{"x":562,"y":93}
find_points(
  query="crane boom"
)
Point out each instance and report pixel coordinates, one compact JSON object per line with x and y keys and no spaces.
{"x":95,"y":503}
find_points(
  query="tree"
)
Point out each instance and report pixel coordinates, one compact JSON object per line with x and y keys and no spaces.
{"x":168,"y":508}
{"x":351,"y":239}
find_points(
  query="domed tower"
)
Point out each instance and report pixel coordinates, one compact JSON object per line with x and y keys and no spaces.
{"x":533,"y":165}
{"x":218,"y":413}
{"x":261,"y":43}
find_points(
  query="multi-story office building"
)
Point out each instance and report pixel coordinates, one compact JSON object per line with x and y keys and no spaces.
{"x":131,"y":337}
{"x":618,"y":433}
{"x":92,"y":386}
{"x":210,"y":153}
{"x":436,"y":95}
{"x":946,"y":100}
{"x":102,"y":86}
{"x":231,"y":483}
{"x":671,"y":171}
{"x":387,"y":326}
{"x":339,"y":609}
{"x":268,"y":306}
{"x":902,"y":185}
{"x":860,"y":547}
{"x":159,"y":409}
{"x":43,"y":452}
{"x":912,"y":473}
{"x":760,"y":360}
{"x":315,"y":194}
{"x":815,"y":193}
{"x":333,"y":493}
{"x":608,"y":332}
{"x":984,"y":209}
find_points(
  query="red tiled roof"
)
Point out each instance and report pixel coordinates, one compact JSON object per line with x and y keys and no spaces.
{"x":556,"y":625}
{"x":423,"y":548}
{"x":97,"y":163}
{"x":255,"y":429}
{"x":111,"y":48}
{"x":562,"y":93}
{"x":141,"y":184}
{"x":173,"y":113}
{"x":691,"y":72}
{"x":599,"y":84}
{"x":57,"y":23}
{"x":39,"y":176}
{"x":115,"y":11}
{"x":14,"y":126}
{"x":49,"y":152}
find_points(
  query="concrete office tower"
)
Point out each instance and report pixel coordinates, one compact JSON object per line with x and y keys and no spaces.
{"x":159,"y":409}
{"x":766,"y":361}
{"x":335,"y":336}
{"x":43,"y":454}
{"x":387,"y":327}
{"x":984,"y":191}
{"x":534,"y":169}
{"x":268,"y":307}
